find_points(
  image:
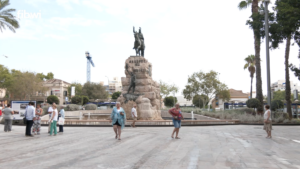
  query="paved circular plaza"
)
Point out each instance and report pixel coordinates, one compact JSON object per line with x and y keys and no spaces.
{"x":236,"y":146}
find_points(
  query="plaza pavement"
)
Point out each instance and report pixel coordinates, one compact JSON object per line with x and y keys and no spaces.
{"x":236,"y":146}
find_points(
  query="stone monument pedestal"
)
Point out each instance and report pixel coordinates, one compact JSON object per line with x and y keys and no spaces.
{"x":147,"y":92}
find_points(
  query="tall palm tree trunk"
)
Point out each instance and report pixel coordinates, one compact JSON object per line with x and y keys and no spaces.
{"x":259,"y":94}
{"x":251,"y":87}
{"x":287,"y":78}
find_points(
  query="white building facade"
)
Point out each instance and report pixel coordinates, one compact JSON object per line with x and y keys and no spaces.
{"x":280,"y":85}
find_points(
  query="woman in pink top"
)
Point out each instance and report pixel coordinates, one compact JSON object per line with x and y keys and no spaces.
{"x":177,"y":117}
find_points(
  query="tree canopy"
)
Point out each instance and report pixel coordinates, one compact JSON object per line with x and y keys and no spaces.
{"x":205,"y":84}
{"x":170,"y":101}
{"x":115,"y":95}
{"x":94,"y":91}
{"x":78,"y":88}
{"x":166,"y":89}
{"x":49,"y":76}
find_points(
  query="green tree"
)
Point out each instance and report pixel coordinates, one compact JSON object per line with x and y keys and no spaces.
{"x":257,"y":27}
{"x":94,"y":91}
{"x":276,"y":104}
{"x":24,"y":84}
{"x":207,"y":84}
{"x":285,"y":28}
{"x":81,"y":100}
{"x":198,"y":101}
{"x":295,"y":70}
{"x":76,"y":100}
{"x":85,"y":100}
{"x":253,"y":103}
{"x":48,"y":76}
{"x":250,"y":65}
{"x":7,"y":19}
{"x":5,"y":77}
{"x":279,"y":95}
{"x":166,"y":89}
{"x":169,"y":101}
{"x":115,"y":95}
{"x":78,"y":88}
{"x":52,"y":99}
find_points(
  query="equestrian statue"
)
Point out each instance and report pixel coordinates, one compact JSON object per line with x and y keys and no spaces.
{"x":139,"y":44}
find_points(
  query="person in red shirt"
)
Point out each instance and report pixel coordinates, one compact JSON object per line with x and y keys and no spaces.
{"x":177,"y":117}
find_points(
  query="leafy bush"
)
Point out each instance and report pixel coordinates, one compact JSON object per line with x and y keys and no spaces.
{"x":245,"y":110}
{"x":90,"y":107}
{"x":169,"y":101}
{"x":253,"y":103}
{"x":115,"y":95}
{"x":79,"y":99}
{"x":276,"y":104}
{"x":85,"y":100}
{"x":72,"y":107}
{"x":76,"y":100}
{"x":52,"y":99}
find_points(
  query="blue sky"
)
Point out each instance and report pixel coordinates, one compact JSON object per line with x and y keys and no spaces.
{"x":181,"y":37}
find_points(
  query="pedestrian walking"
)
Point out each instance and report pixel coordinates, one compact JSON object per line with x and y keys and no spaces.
{"x":62,"y":117}
{"x":36,"y":128}
{"x":29,"y":115}
{"x":50,"y":110}
{"x":268,"y":121}
{"x":53,"y":120}
{"x":118,"y":119}
{"x":134,"y":116}
{"x":8,"y":116}
{"x":176,"y":117}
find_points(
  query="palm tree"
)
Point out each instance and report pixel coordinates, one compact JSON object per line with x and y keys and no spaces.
{"x":6,"y":18}
{"x":250,"y":64}
{"x":254,"y":5}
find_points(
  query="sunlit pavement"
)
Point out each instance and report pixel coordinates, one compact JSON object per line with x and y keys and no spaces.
{"x":237,"y":146}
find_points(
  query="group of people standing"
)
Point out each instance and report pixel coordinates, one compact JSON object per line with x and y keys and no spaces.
{"x":33,"y":119}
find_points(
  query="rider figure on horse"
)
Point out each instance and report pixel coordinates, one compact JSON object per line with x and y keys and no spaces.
{"x":141,"y":38}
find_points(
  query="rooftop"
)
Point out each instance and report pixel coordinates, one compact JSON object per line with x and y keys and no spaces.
{"x":56,"y":81}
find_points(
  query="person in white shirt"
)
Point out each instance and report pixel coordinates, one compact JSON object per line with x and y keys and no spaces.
{"x":53,"y":120}
{"x":29,"y":115}
{"x":50,"y":110}
{"x":268,"y":121}
{"x":134,"y":116}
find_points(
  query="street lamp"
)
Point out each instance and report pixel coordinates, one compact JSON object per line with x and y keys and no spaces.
{"x":267,"y":51}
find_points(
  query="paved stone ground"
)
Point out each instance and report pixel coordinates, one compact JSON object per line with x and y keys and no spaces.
{"x":204,"y":147}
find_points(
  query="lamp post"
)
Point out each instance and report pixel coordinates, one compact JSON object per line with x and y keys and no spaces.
{"x":267,"y":51}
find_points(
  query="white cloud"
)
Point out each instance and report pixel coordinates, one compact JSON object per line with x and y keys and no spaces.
{"x":79,"y":21}
{"x":67,"y":4}
{"x":92,"y":4}
{"x":57,"y":37}
{"x":36,"y":2}
{"x":116,"y":38}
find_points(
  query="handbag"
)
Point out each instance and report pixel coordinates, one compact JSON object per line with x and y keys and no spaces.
{"x":61,"y":121}
{"x":175,"y":117}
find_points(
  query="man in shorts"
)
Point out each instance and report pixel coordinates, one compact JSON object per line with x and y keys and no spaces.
{"x":134,"y":116}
